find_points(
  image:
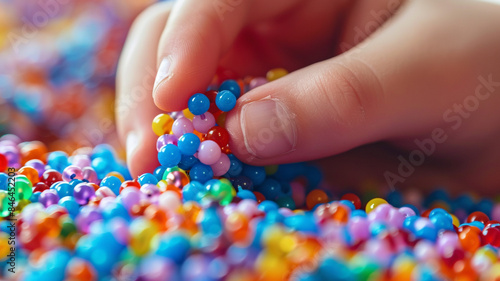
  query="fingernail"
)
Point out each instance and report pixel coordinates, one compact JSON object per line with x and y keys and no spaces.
{"x":268,"y":128}
{"x":132,"y":143}
{"x":163,"y":72}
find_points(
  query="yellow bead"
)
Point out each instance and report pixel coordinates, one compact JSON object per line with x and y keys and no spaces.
{"x":188,"y":114}
{"x":116,"y":174}
{"x":276,"y":73}
{"x":4,"y":250}
{"x":271,"y":266}
{"x":143,"y":232}
{"x":271,"y":169}
{"x":162,"y":124}
{"x":455,"y":220}
{"x":374,"y":203}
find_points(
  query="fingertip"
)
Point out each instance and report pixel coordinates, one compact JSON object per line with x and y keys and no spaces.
{"x":141,"y":153}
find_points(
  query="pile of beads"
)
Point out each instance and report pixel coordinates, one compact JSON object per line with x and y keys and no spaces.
{"x":205,"y":215}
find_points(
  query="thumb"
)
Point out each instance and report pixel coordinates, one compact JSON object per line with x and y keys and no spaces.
{"x":320,"y":110}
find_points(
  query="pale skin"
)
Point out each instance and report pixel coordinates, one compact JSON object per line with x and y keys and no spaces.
{"x":433,"y":65}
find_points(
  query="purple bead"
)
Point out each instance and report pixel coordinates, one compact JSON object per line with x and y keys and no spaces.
{"x":119,"y":228}
{"x":81,"y":161}
{"x":11,"y":138}
{"x":164,"y":140}
{"x":49,"y":197}
{"x":248,"y":207}
{"x":88,"y":215}
{"x":395,"y":218}
{"x":378,"y":250}
{"x":256,"y":82}
{"x":284,"y":211}
{"x":176,"y":115}
{"x":359,"y":228}
{"x":83,"y":193}
{"x":407,"y":212}
{"x":221,"y":166}
{"x":447,"y":242}
{"x":425,"y":251}
{"x":495,"y":213}
{"x":150,"y":190}
{"x":209,"y":152}
{"x":130,"y":197}
{"x":182,"y":126}
{"x":156,"y":268}
{"x":203,"y":123}
{"x":36,"y":164}
{"x":90,"y":175}
{"x":72,"y":172}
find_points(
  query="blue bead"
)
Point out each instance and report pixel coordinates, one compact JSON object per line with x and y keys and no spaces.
{"x":35,"y":196}
{"x":395,"y":198}
{"x":104,"y":151}
{"x":377,"y":227}
{"x":236,"y":166}
{"x":274,"y":216}
{"x":286,"y":202}
{"x":359,"y":213}
{"x":58,"y":160}
{"x":169,"y":155}
{"x":63,"y":189}
{"x":211,"y":223}
{"x":303,"y":223}
{"x":112,"y":183}
{"x":147,"y":178}
{"x":193,"y":191}
{"x":270,"y":188}
{"x":439,"y":211}
{"x":409,"y":223}
{"x":188,"y":143}
{"x":477,"y":224}
{"x":267,"y":206}
{"x":159,"y":171}
{"x":232,"y":86}
{"x":256,"y":174}
{"x":246,"y":194}
{"x":201,"y":173}
{"x":198,"y":104}
{"x":225,"y":100}
{"x":187,"y":162}
{"x":3,"y":181}
{"x":243,"y":183}
{"x":334,"y":270}
{"x":348,"y":204}
{"x":71,"y":205}
{"x":113,"y":210}
{"x":441,"y":221}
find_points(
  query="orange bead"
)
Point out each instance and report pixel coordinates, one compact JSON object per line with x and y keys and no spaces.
{"x":157,"y":216}
{"x":138,"y":209}
{"x":237,"y":226}
{"x":470,"y":238}
{"x":164,"y":186}
{"x":80,"y":270}
{"x":339,"y":213}
{"x":48,"y":226}
{"x":33,"y":150}
{"x":178,"y":179}
{"x":316,"y":197}
{"x":30,"y":173}
{"x":129,"y":184}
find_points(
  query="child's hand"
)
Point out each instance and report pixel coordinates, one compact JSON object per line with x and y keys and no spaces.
{"x":431,"y":72}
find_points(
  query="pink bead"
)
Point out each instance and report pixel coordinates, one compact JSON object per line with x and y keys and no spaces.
{"x":298,"y":193}
{"x":182,"y":126}
{"x":90,"y":175}
{"x":104,"y":192}
{"x":119,"y":228}
{"x":106,"y":201}
{"x":221,"y":166}
{"x":495,"y":213}
{"x":256,"y":82}
{"x":379,"y":250}
{"x":425,"y":251}
{"x":164,"y":140}
{"x":395,"y":218}
{"x":130,"y":197}
{"x":81,"y":161}
{"x":203,"y":123}
{"x":447,"y":242}
{"x":407,"y":212}
{"x":359,"y":228}
{"x":209,"y":152}
{"x":169,"y":201}
{"x":285,"y":212}
{"x":72,"y":172}
{"x":248,"y":207}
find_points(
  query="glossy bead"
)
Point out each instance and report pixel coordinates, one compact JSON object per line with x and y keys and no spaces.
{"x":201,"y":173}
{"x":225,"y":100}
{"x":232,"y":86}
{"x":470,"y":238}
{"x":478,"y":216}
{"x":374,"y":203}
{"x":22,"y":188}
{"x":209,"y":152}
{"x":316,"y":197}
{"x":51,"y":176}
{"x":3,"y":163}
{"x":169,"y":155}
{"x":221,"y":167}
{"x":202,"y":123}
{"x":162,"y":124}
{"x":219,"y":135}
{"x":72,"y":172}
{"x":353,"y":198}
{"x":182,"y":126}
{"x":83,"y":192}
{"x":188,"y":144}
{"x":198,"y":104}
{"x":164,"y":140}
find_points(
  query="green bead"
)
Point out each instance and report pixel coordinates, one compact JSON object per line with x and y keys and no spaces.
{"x":363,"y":268}
{"x":23,"y":188}
{"x":169,"y":170}
{"x":4,"y":203}
{"x":67,"y":228}
{"x":222,"y":191}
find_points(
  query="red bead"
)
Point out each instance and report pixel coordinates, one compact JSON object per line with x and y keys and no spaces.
{"x":451,"y":257}
{"x":353,"y":198}
{"x":491,"y":235}
{"x":3,"y":163}
{"x":50,"y":177}
{"x":127,"y":184}
{"x":40,"y":186}
{"x":478,"y":216}
{"x":218,"y":135}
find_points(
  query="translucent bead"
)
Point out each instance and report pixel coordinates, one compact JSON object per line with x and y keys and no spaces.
{"x":30,"y":173}
{"x":209,"y":152}
{"x":256,"y":82}
{"x":164,"y":140}
{"x":72,"y":172}
{"x":182,"y":126}
{"x":276,"y":73}
{"x":203,"y":123}
{"x":89,"y":175}
{"x":219,"y":135}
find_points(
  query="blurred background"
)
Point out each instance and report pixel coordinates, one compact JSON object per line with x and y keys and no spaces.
{"x":58,"y":62}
